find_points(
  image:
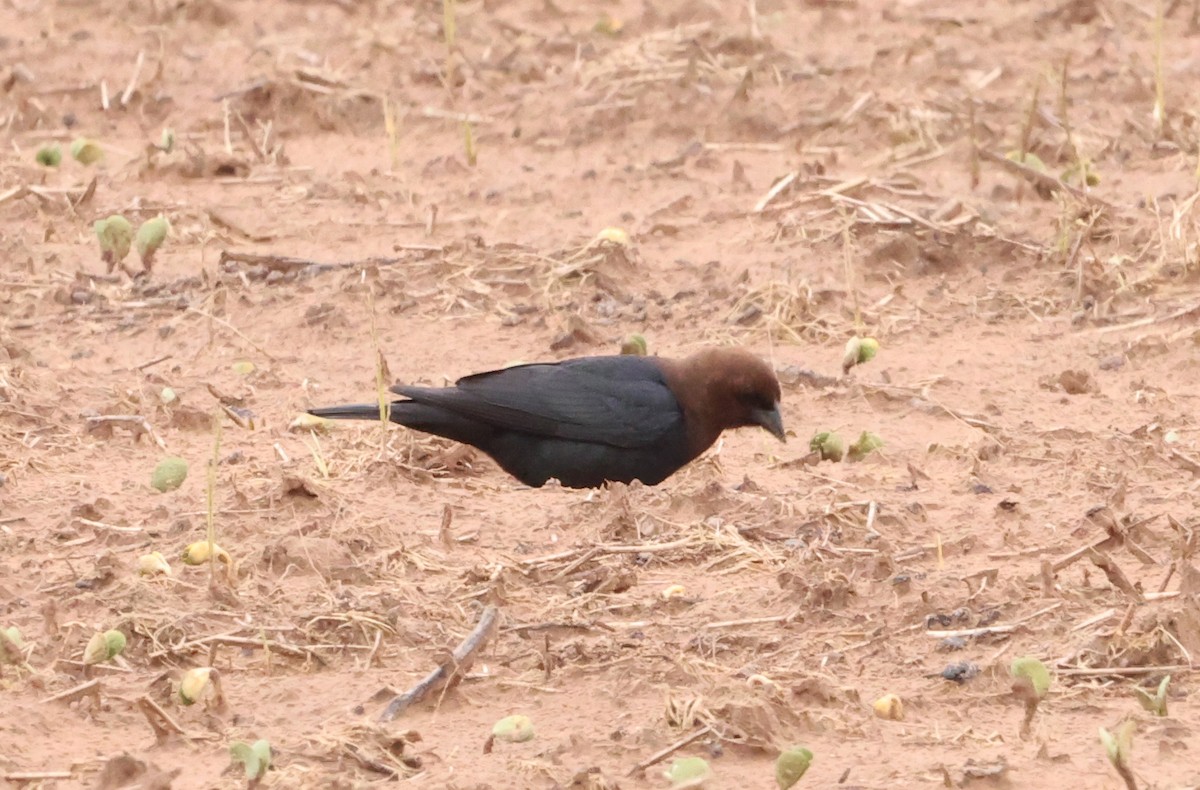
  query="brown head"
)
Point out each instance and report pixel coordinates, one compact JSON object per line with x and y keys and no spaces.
{"x":721,"y":388}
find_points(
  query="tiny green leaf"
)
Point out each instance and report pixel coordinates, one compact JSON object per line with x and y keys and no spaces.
{"x":828,"y":444}
{"x":867,"y":443}
{"x":1110,"y":746}
{"x":169,"y":474}
{"x":115,"y":235}
{"x":49,"y":156}
{"x":791,"y":765}
{"x":243,"y":368}
{"x":634,"y":345}
{"x":167,"y":143}
{"x":1035,"y":671}
{"x":1029,"y":160}
{"x":251,"y":758}
{"x":867,"y":349}
{"x":513,"y":729}
{"x":688,"y":772}
{"x":1155,"y":703}
{"x":10,"y":645}
{"x":150,"y":237}
{"x":86,"y":152}
{"x":1119,"y":746}
{"x":102,"y":647}
{"x":114,"y":643}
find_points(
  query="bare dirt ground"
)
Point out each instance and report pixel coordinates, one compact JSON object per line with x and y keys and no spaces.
{"x":786,"y":178}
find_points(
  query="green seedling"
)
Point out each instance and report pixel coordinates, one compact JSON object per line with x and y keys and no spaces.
{"x":828,"y":444}
{"x":858,"y":351}
{"x":867,"y":443}
{"x":201,"y":551}
{"x":166,"y":143}
{"x":193,"y":683}
{"x":513,"y":729}
{"x":150,"y":237}
{"x":1119,"y":748}
{"x":12,"y":646}
{"x":153,"y":564}
{"x":196,"y":684}
{"x":634,"y":345}
{"x":115,"y":235}
{"x":791,"y":766}
{"x":49,"y":156}
{"x":1031,"y":683}
{"x":688,"y":772}
{"x":254,"y":757}
{"x":1155,"y":703}
{"x":1029,"y":159}
{"x":103,"y":647}
{"x":510,"y":729}
{"x":86,"y":152}
{"x":169,"y":474}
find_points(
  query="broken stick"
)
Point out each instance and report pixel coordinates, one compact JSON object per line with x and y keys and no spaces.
{"x":451,"y":671}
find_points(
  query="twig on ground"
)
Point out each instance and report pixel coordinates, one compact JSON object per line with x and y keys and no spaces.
{"x":663,"y":754}
{"x":449,"y":673}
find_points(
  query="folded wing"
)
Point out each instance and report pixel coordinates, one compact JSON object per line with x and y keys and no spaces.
{"x":618,"y":401}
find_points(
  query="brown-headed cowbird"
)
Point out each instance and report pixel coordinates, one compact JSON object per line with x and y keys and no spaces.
{"x":593,"y":420}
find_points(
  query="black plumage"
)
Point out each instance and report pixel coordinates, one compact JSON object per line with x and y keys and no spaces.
{"x":590,"y":420}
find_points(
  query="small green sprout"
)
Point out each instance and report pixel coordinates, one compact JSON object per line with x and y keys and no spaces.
{"x":242,"y":367}
{"x":11,"y":646}
{"x":86,"y":152}
{"x":688,"y":772}
{"x":1031,"y":683}
{"x":634,"y":345}
{"x":1119,"y":748}
{"x":859,"y":350}
{"x":196,"y":684}
{"x":169,"y":474}
{"x":791,"y":765}
{"x":513,"y":729}
{"x":255,"y":758}
{"x":1155,"y":703}
{"x":102,"y":647}
{"x":153,"y":564}
{"x":49,"y":155}
{"x":115,"y":235}
{"x":828,"y":445}
{"x":150,"y":237}
{"x":867,"y":443}
{"x":167,"y":143}
{"x":1030,"y":160}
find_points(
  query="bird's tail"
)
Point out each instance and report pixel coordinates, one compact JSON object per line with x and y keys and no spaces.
{"x":351,"y":411}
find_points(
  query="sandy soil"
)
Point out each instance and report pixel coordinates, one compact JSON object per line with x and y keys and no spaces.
{"x":786,"y":180}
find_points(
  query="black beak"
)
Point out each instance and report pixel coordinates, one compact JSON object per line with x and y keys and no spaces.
{"x":771,"y":420}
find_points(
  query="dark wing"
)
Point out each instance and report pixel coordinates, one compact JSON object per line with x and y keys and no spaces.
{"x":620,"y":401}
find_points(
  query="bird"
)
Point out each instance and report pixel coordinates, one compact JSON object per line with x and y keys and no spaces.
{"x":593,"y":420}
